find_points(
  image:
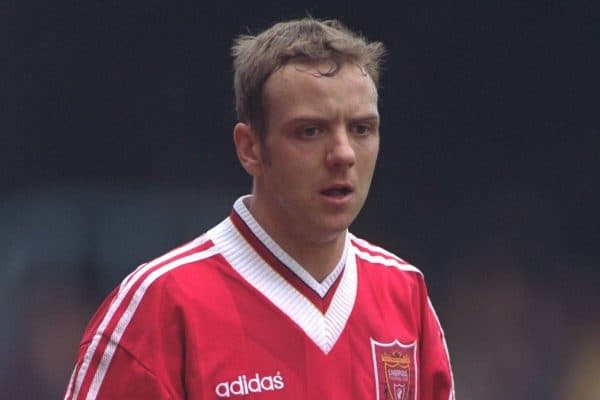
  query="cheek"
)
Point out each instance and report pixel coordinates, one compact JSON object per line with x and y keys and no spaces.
{"x":294,"y":159}
{"x":287,"y":171}
{"x":369,"y":158}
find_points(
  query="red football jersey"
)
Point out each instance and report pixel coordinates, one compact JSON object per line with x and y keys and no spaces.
{"x":231,"y":315}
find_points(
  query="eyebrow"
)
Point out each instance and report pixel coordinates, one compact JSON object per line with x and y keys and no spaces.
{"x":369,"y":118}
{"x":309,"y":119}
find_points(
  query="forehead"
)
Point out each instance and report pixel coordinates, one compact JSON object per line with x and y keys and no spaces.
{"x":319,"y":87}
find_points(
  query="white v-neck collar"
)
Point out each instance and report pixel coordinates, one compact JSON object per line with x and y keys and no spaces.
{"x":323,"y":329}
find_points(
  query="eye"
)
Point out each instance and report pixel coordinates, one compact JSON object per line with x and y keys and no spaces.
{"x":361,"y":129}
{"x":309,"y":131}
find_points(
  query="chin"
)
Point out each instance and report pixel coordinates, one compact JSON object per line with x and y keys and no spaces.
{"x":336,"y":225}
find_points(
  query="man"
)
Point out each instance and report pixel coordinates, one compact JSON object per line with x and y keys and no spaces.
{"x":280,"y":301}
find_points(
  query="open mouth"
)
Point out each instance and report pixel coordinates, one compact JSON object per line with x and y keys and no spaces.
{"x":337,"y":191}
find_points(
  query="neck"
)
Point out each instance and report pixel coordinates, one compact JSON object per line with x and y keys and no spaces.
{"x":317,"y":254}
{"x":318,"y":259}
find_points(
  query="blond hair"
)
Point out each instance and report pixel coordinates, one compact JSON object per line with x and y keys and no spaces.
{"x":308,"y":39}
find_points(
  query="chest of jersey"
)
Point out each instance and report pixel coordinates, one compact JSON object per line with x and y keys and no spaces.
{"x":244,"y":346}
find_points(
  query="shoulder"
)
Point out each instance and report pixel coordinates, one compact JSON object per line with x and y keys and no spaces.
{"x":388,"y":278}
{"x":168,"y":275}
{"x":380,"y":258}
{"x":150,"y":284}
{"x":196,"y":251}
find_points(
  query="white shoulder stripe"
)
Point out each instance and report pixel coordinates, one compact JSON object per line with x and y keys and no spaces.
{"x":390,"y":262}
{"x":123,"y":291}
{"x":374,"y":248}
{"x":130,"y":311}
{"x":131,"y":275}
{"x":71,"y":379}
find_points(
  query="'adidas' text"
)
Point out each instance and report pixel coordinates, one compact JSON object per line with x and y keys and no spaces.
{"x":243,"y":386}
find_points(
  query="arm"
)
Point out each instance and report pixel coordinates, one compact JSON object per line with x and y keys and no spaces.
{"x":131,"y":349}
{"x":436,"y":380}
{"x":124,"y":378}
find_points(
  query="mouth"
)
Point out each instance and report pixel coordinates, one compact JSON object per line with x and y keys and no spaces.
{"x":337,"y":191}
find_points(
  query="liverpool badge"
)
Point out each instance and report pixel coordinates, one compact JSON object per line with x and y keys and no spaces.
{"x":395,"y":367}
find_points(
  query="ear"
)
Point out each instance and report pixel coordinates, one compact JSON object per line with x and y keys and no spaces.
{"x":247,"y":146}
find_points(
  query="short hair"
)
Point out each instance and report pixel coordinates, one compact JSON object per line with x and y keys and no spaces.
{"x":255,"y":58}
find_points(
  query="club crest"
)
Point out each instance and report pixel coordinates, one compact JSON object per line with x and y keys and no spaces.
{"x":395,"y":368}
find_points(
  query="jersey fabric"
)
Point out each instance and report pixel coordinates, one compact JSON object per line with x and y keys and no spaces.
{"x":232,"y":315}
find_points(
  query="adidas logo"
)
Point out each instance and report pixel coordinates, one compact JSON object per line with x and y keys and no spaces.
{"x":242,"y":386}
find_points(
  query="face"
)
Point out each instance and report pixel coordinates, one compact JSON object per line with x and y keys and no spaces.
{"x":318,"y":155}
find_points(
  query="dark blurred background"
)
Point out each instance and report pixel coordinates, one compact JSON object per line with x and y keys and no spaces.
{"x":115,"y":146}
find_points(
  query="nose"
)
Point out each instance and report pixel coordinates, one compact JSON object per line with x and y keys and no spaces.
{"x":341,"y":153}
